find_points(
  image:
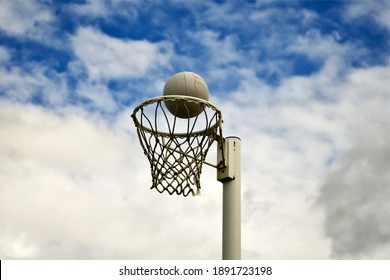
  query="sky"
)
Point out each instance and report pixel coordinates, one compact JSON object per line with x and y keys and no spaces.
{"x":304,"y":84}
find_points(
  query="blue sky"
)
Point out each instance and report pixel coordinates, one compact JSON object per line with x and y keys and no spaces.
{"x":304,"y":84}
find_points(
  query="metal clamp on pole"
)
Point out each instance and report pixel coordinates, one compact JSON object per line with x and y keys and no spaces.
{"x":230,"y":176}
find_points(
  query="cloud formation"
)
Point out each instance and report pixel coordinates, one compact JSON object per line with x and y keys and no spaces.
{"x":17,"y":18}
{"x":355,"y":197}
{"x":106,"y":57}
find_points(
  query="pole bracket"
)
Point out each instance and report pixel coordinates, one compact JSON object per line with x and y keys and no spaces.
{"x":227,"y":156}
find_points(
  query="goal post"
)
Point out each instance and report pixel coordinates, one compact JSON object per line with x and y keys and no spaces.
{"x":230,"y":176}
{"x":175,"y":133}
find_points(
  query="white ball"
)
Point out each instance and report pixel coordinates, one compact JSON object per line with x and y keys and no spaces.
{"x":186,"y":84}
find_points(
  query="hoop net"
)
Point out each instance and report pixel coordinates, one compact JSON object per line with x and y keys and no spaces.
{"x":177,"y":147}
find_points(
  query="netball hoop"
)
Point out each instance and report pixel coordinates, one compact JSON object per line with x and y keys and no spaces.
{"x":177,"y":147}
{"x":176,"y":133}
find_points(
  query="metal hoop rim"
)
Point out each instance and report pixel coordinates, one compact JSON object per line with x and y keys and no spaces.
{"x":177,"y":98}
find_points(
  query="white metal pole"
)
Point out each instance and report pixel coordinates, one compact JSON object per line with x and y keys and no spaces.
{"x":230,"y":176}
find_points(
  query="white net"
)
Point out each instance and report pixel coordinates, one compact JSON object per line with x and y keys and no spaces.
{"x":177,"y":147}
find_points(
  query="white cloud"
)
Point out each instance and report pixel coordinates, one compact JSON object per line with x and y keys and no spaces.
{"x":315,"y":46}
{"x":32,"y":21}
{"x":16,"y":246}
{"x":65,"y":173}
{"x":378,"y":11}
{"x":215,"y":14}
{"x":220,"y":51}
{"x":100,"y":96}
{"x":272,"y":16}
{"x":92,"y":8}
{"x":55,"y":140}
{"x":107,"y":58}
{"x":23,"y":85}
{"x":21,"y":17}
{"x":356,"y":198}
